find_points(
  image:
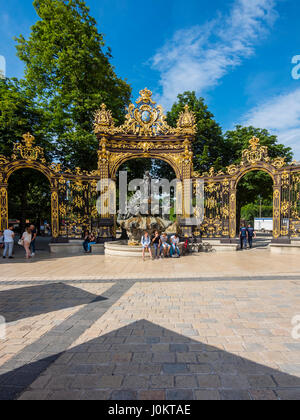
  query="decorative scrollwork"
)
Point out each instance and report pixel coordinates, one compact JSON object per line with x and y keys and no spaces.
{"x":145,"y":120}
{"x":28,"y":151}
{"x":255,"y":153}
{"x":3,"y":160}
{"x":104,"y":122}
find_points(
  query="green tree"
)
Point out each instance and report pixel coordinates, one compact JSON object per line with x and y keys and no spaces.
{"x":209,"y":146}
{"x":28,"y":191}
{"x":238,"y":140}
{"x":70,"y":74}
{"x":29,"y":197}
{"x":19,"y":115}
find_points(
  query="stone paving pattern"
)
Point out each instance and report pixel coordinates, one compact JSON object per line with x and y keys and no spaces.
{"x":150,"y":339}
{"x":256,"y":262}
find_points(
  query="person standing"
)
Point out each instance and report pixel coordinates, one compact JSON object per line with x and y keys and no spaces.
{"x":146,"y":244}
{"x":251,"y":235}
{"x":1,"y":239}
{"x":8,"y":236}
{"x":27,"y":240}
{"x":243,"y":236}
{"x":33,"y":239}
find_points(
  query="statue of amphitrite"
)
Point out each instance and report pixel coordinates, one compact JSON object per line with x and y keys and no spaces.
{"x":146,"y":192}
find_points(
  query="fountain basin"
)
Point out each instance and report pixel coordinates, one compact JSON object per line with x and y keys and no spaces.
{"x":122,"y":249}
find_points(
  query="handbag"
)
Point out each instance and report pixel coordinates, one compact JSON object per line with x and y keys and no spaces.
{"x":21,"y":242}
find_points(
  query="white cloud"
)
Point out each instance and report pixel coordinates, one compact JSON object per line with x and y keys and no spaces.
{"x":280,"y":115}
{"x":197,"y":58}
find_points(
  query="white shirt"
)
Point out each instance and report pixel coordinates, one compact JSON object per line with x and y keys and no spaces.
{"x":175,"y":240}
{"x":27,"y":237}
{"x":8,"y":235}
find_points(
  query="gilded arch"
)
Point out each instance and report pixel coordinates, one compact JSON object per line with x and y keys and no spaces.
{"x":221,"y":194}
{"x":62,"y":184}
{"x":145,"y":134}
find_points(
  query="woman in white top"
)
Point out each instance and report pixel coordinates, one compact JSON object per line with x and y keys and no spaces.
{"x":26,"y":238}
{"x":146,"y":244}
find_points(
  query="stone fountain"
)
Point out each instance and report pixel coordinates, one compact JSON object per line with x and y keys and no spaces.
{"x":135,"y":223}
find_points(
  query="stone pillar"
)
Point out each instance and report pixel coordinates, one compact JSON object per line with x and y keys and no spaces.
{"x":3,"y":207}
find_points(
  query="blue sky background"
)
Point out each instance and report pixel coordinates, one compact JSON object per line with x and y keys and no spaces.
{"x":237,"y":54}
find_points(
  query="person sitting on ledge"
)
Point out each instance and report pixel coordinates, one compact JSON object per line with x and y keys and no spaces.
{"x":89,"y":239}
{"x":165,"y":246}
{"x":146,"y":244}
{"x":174,"y":246}
{"x":156,"y":243}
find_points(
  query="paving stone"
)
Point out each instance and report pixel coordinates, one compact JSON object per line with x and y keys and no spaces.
{"x":235,"y":395}
{"x":261,"y":381}
{"x":234,"y":382}
{"x":288,"y":394}
{"x":179,"y":348}
{"x":96,"y":395}
{"x":121,"y":357}
{"x":110,"y":381}
{"x":163,"y":357}
{"x":180,"y":394}
{"x":154,"y":395}
{"x":142,"y":357}
{"x":286,"y":381}
{"x":173,"y":368}
{"x":208,"y":381}
{"x":185,"y":381}
{"x":36,"y":395}
{"x":207,"y":395}
{"x":63,"y":395}
{"x":293,"y":346}
{"x":200,"y":368}
{"x":60,"y":382}
{"x":186,"y":357}
{"x":136,"y":382}
{"x":162,"y":381}
{"x":263,"y":395}
{"x":124,"y":395}
{"x":40,"y":383}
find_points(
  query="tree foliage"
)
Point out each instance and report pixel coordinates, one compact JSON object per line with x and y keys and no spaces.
{"x":18,"y":115}
{"x":70,"y":74}
{"x":209,"y":146}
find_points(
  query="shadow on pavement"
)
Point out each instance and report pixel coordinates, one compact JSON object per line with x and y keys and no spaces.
{"x":26,"y":302}
{"x":145,"y":361}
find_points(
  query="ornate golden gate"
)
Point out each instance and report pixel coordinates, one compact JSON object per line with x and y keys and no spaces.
{"x":221,"y":194}
{"x":75,"y":196}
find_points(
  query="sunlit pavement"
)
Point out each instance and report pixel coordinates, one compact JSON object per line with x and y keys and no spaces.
{"x":211,"y":326}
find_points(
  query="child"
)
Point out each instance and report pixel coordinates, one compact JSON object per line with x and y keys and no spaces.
{"x":146,"y":244}
{"x":174,"y":246}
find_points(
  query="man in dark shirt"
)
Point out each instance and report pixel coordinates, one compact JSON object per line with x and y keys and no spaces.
{"x":243,"y":236}
{"x":34,"y":235}
{"x":251,"y":235}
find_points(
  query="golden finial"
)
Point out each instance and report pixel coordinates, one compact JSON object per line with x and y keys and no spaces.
{"x":28,"y":139}
{"x":146,"y":97}
{"x":254,"y":143}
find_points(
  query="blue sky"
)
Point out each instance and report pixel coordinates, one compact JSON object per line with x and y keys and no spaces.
{"x":237,"y":54}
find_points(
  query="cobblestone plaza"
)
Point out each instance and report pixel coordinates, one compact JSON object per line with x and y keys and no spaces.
{"x":157,"y":330}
